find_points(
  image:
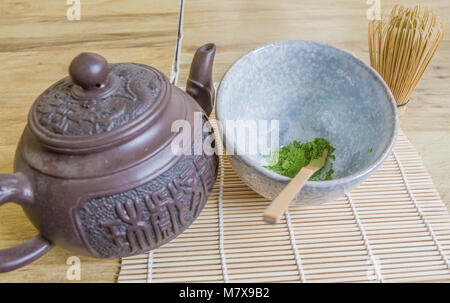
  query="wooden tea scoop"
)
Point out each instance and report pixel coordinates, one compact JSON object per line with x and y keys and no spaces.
{"x":278,"y":206}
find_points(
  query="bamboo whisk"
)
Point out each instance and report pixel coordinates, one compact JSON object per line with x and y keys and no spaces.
{"x":402,"y":45}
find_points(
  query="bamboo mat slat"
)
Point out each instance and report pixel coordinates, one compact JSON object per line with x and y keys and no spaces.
{"x":392,"y":228}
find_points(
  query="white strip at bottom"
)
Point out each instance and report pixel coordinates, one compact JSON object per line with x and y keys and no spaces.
{"x":298,"y":260}
{"x":373,"y":260}
{"x":149,"y":266}
{"x":221,"y":232}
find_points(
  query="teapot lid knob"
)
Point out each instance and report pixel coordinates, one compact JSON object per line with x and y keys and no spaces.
{"x":90,"y":72}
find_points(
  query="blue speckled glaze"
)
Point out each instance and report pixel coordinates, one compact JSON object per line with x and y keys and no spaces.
{"x":314,"y":90}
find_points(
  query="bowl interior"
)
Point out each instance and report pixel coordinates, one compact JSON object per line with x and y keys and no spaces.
{"x":313,"y":90}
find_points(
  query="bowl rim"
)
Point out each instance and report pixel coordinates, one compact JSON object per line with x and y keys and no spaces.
{"x":352,"y":178}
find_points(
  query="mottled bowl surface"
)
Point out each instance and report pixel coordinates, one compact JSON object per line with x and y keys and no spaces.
{"x":314,"y":90}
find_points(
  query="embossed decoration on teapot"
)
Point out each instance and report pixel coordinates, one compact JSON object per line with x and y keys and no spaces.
{"x":144,"y":218}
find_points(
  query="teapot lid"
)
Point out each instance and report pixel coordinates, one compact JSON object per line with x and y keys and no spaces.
{"x":98,"y":105}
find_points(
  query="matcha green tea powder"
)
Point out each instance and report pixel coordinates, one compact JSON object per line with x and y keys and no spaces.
{"x":292,"y":157}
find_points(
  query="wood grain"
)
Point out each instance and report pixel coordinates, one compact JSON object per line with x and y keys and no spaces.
{"x":38,"y":42}
{"x":37,"y":45}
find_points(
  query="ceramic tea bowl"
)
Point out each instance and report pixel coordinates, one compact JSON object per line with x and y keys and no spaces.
{"x":313,"y":90}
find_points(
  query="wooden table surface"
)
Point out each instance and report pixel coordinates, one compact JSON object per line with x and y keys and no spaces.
{"x":38,"y":42}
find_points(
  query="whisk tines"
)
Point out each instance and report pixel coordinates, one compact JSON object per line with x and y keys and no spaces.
{"x":401,"y":46}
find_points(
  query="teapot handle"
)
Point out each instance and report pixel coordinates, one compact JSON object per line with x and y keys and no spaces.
{"x":17,"y":188}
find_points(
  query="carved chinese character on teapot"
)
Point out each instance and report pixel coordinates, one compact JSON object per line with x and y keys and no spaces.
{"x":96,"y":170}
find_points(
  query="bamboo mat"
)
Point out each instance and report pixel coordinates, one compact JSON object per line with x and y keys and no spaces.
{"x":392,"y":228}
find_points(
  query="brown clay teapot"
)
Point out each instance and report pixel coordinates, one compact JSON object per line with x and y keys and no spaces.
{"x":94,"y":169}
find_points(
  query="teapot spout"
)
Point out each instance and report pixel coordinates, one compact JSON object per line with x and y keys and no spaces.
{"x":200,"y":84}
